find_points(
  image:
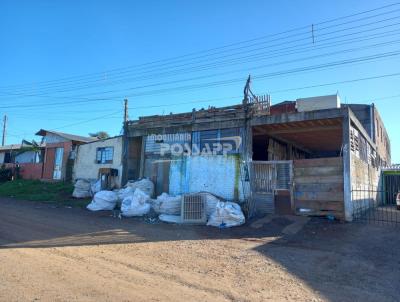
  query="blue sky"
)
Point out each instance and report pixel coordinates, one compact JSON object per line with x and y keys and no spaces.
{"x":90,"y":52}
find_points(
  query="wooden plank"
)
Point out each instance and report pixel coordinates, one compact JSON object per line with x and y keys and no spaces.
{"x":329,"y":187}
{"x":319,"y":171}
{"x":318,"y":162}
{"x":320,"y":205}
{"x":319,"y":196}
{"x":336,"y":179}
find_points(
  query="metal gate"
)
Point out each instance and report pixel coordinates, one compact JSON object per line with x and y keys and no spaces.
{"x":265,"y":178}
{"x":378,"y":205}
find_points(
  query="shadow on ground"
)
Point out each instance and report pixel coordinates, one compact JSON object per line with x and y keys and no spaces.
{"x":37,"y":225}
{"x":342,"y":262}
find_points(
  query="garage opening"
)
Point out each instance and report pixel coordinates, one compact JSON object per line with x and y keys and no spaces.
{"x":298,"y":140}
{"x":307,"y":156}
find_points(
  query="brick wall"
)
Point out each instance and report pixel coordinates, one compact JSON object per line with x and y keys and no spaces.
{"x":28,"y":170}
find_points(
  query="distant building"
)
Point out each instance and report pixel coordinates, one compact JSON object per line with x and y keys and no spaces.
{"x":59,"y":153}
{"x":27,"y":156}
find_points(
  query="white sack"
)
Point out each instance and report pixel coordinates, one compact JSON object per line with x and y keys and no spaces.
{"x":144,"y":184}
{"x":103,"y":200}
{"x":81,"y":189}
{"x":124,"y":193}
{"x":136,"y":204}
{"x":166,"y":204}
{"x":170,"y":218}
{"x":226,"y":215}
{"x":211,"y":203}
{"x":96,"y":187}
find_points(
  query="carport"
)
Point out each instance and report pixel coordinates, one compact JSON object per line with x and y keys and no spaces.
{"x":300,"y":156}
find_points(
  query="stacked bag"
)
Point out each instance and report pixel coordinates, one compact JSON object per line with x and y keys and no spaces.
{"x":136,"y":200}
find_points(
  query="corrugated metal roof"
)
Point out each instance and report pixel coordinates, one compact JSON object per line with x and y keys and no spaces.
{"x":394,"y":167}
{"x":68,"y":136}
{"x":10,"y":147}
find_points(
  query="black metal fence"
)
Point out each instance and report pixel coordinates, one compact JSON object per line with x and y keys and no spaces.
{"x":375,"y":206}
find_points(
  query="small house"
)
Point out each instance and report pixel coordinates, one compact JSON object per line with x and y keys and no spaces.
{"x":94,"y":158}
{"x":59,"y":155}
{"x":27,"y":156}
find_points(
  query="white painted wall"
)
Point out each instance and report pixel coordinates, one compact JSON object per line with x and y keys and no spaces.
{"x":85,"y":165}
{"x":2,"y":157}
{"x":216,"y":174}
{"x":318,"y":103}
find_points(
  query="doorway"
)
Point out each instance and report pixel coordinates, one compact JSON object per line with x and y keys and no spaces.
{"x":269,"y":178}
{"x":58,"y":161}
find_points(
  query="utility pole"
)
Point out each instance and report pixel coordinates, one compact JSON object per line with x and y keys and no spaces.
{"x":125,"y":111}
{"x":3,"y":141}
{"x":125,"y":144}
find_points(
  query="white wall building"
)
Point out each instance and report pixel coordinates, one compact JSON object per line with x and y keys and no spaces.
{"x":90,"y":157}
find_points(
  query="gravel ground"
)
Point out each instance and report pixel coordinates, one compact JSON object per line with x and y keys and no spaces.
{"x":68,"y":254}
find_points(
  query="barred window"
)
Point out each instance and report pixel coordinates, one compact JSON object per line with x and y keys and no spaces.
{"x":104,"y":155}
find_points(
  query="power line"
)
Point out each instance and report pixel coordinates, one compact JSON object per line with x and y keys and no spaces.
{"x":276,"y":91}
{"x":340,"y":82}
{"x":233,"y":44}
{"x":43,"y":95}
{"x":203,"y":77}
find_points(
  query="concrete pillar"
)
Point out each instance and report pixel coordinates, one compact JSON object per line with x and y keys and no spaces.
{"x":348,"y":205}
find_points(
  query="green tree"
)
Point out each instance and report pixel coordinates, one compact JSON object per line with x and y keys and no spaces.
{"x":100,"y":134}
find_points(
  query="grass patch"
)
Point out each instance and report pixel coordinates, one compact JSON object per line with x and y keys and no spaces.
{"x":59,"y":193}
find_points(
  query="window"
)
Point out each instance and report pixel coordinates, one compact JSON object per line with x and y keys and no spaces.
{"x":229,"y":139}
{"x":7,"y":157}
{"x":104,"y":155}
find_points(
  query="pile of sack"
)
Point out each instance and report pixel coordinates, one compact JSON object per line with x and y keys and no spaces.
{"x":222,"y":214}
{"x":135,"y":200}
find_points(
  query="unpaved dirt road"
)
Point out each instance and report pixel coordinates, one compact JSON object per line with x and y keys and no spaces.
{"x":62,"y":254}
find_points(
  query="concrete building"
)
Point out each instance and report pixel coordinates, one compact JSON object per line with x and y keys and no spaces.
{"x":59,"y":154}
{"x":302,"y":156}
{"x":101,"y":154}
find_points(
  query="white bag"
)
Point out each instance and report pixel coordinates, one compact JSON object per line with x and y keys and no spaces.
{"x":136,"y":204}
{"x":103,"y":200}
{"x":124,"y":193}
{"x":144,"y":184}
{"x":166,"y":204}
{"x":170,"y":218}
{"x":96,"y":187}
{"x":226,"y":215}
{"x":82,"y":189}
{"x":211,"y":203}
